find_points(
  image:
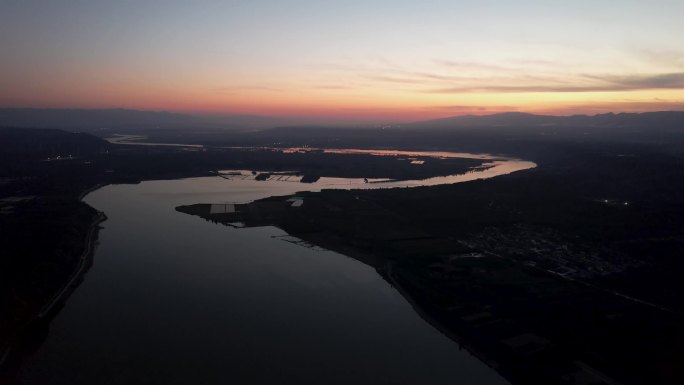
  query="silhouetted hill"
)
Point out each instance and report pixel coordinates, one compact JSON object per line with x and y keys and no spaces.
{"x":31,"y":144}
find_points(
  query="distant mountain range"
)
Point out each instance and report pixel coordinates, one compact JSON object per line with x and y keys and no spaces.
{"x":663,"y":119}
{"x":86,"y":119}
{"x":125,"y":119}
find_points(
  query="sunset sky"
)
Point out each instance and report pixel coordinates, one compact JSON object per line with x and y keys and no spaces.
{"x":344,"y":60}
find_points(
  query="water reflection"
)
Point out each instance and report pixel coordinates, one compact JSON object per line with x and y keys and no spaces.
{"x":174,"y":299}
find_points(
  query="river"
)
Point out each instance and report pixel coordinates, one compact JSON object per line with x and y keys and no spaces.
{"x":174,"y":299}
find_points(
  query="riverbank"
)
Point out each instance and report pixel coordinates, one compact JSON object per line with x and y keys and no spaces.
{"x":31,"y":328}
{"x":33,"y":323}
{"x":83,"y":264}
{"x":519,"y":312}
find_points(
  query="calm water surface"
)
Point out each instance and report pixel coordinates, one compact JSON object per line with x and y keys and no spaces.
{"x":174,"y":299}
